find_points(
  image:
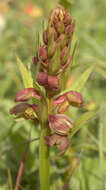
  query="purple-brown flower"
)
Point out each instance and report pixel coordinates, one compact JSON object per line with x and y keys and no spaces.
{"x":25,"y":110}
{"x":26,"y":94}
{"x":74,"y":98}
{"x":61,"y":141}
{"x":53,"y":83}
{"x":42,"y":78}
{"x":60,"y":124}
{"x":43,"y":52}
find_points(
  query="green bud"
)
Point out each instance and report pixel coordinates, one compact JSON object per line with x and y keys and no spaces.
{"x":52,"y":32}
{"x":59,"y":27}
{"x":64,"y":54}
{"x":54,"y":65}
{"x":62,"y":40}
{"x":51,"y":46}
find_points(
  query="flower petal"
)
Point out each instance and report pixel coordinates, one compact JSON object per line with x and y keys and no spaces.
{"x":25,"y":94}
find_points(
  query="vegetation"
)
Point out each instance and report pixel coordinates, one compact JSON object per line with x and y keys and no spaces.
{"x":83,"y":166}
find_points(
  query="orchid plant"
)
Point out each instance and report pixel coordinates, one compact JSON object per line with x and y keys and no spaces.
{"x":45,"y":98}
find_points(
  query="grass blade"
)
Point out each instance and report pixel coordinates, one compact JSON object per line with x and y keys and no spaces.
{"x":81,"y":121}
{"x":80,"y":82}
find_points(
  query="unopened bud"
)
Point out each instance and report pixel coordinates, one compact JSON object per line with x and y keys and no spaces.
{"x":45,"y":39}
{"x":42,"y":78}
{"x":55,"y":15}
{"x":26,"y":94}
{"x":74,"y":98}
{"x":69,"y":29}
{"x":64,"y":54}
{"x":67,"y":18}
{"x":67,"y":63}
{"x":43,"y":52}
{"x":62,"y":40}
{"x":53,"y":83}
{"x":54,"y":65}
{"x":51,"y":47}
{"x":52,"y":32}
{"x":60,"y":123}
{"x":59,"y":27}
{"x":35,"y":60}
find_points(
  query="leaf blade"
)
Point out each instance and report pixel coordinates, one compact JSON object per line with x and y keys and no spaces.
{"x":81,"y":121}
{"x":80,"y":83}
{"x":26,"y":76}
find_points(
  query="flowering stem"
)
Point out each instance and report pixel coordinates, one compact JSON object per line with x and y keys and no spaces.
{"x":44,"y":155}
{"x":44,"y":160}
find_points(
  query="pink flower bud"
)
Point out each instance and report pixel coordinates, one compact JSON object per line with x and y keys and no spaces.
{"x":67,"y":63}
{"x":60,"y":123}
{"x":45,"y":39}
{"x":42,"y":78}
{"x":59,"y":27}
{"x":74,"y":98}
{"x":35,"y":60}
{"x":60,"y":38}
{"x":53,"y":83}
{"x":67,"y":18}
{"x":55,"y":15}
{"x":25,"y":94}
{"x":43,"y":52}
{"x":69,"y":29}
{"x":52,"y":32}
{"x":55,"y":20}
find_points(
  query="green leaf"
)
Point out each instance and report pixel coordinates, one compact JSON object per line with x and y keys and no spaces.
{"x":81,"y":121}
{"x":80,"y":82}
{"x":26,"y":76}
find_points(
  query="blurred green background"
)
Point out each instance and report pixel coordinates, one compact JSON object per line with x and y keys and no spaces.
{"x":19,"y":21}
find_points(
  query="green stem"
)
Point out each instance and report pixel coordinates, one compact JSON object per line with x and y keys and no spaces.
{"x":44,"y":160}
{"x":43,"y":148}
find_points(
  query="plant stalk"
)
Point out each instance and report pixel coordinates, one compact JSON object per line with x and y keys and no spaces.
{"x":44,"y":154}
{"x":44,"y":161}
